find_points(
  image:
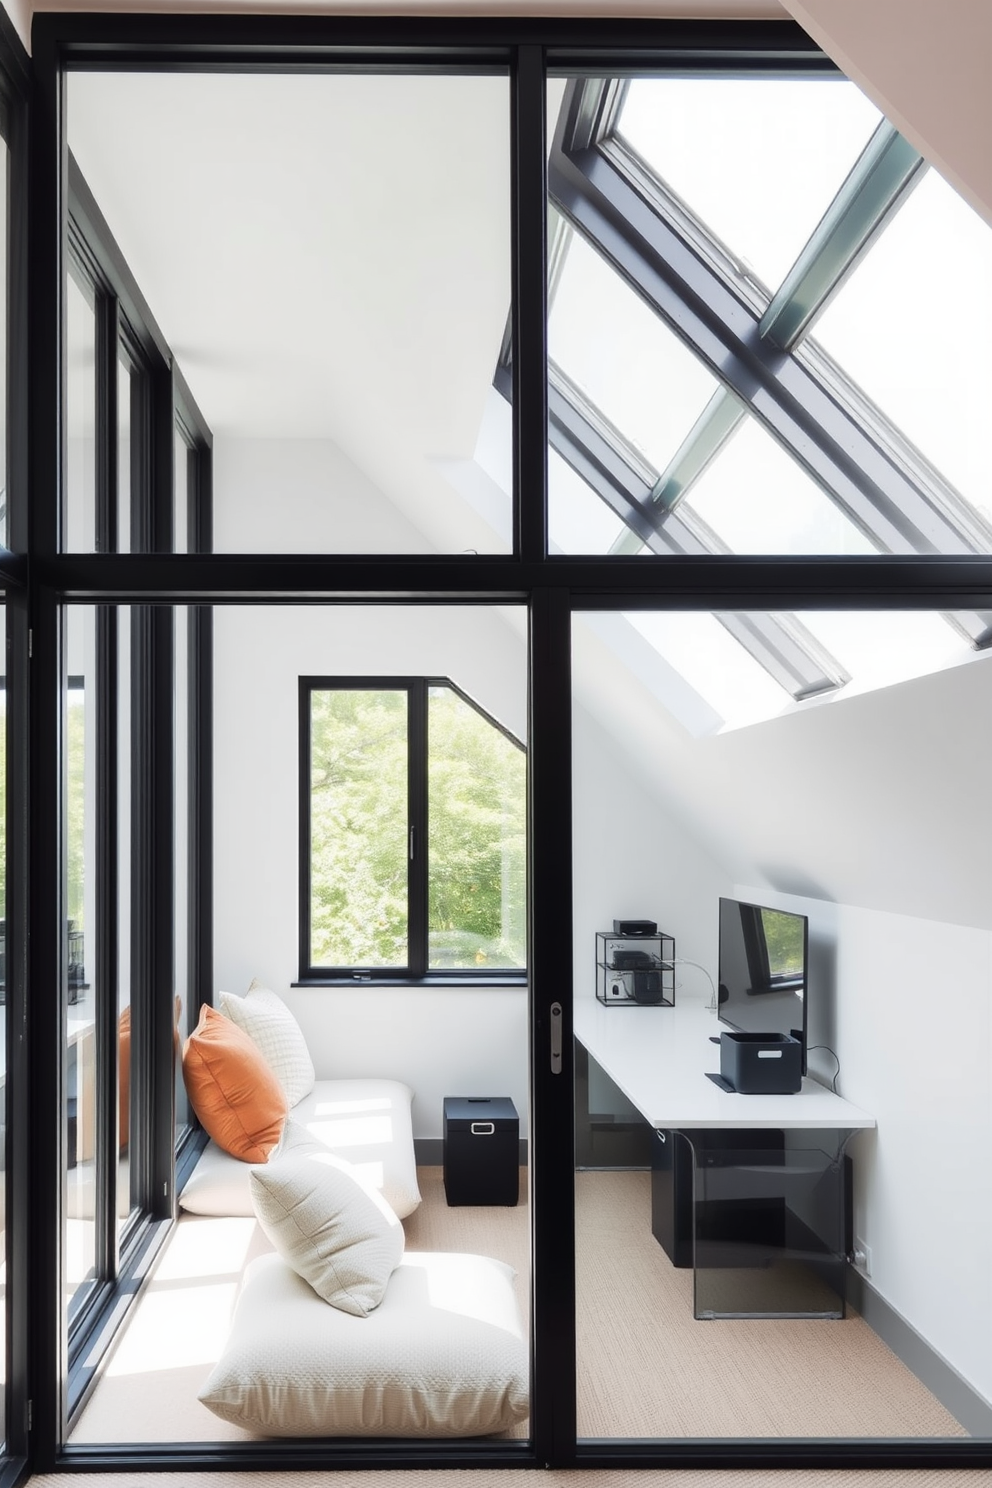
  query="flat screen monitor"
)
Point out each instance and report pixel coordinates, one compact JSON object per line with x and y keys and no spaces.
{"x":763,"y":958}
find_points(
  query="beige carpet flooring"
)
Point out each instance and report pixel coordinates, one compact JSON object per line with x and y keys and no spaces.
{"x":647,"y":1368}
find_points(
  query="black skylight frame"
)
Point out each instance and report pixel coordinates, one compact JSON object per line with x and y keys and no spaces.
{"x":553,"y":590}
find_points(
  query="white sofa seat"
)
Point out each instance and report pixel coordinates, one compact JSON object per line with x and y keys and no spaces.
{"x":366,"y":1121}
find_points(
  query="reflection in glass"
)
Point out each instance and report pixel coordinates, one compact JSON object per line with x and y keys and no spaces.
{"x":80,"y":868}
{"x":181,"y":846}
{"x":128,"y":1102}
{"x":80,"y":512}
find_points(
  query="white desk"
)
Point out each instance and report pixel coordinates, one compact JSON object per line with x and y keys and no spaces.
{"x":756,"y":1207}
{"x":659,"y":1058}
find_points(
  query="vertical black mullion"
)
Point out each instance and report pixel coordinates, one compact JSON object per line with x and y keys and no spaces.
{"x":46,"y":1012}
{"x":529,"y":209}
{"x":417,"y":825}
{"x":550,"y":961}
{"x":105,"y":987}
{"x":306,"y":824}
{"x":17,"y":1241}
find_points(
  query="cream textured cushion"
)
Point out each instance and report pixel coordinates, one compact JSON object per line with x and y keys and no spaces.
{"x":367,"y":1121}
{"x":267,"y":1020}
{"x":339,"y":1234}
{"x":443,"y":1356}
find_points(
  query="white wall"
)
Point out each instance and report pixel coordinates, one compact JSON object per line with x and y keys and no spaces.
{"x":441,"y":1042}
{"x":301,"y":496}
{"x":906,"y":1003}
{"x":633,"y":859}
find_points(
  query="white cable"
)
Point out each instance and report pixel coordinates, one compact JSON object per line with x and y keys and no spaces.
{"x":684,"y":961}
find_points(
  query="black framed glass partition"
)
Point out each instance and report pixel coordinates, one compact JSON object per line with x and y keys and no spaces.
{"x":560,"y":361}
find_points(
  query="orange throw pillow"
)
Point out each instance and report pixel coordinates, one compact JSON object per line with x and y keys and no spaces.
{"x":233,"y":1091}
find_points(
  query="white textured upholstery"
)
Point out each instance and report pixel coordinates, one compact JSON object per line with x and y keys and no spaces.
{"x":368,"y":1122}
{"x":442,"y":1356}
{"x":339,"y":1234}
{"x":266,"y":1019}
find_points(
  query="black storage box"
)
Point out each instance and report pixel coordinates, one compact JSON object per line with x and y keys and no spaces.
{"x":481,"y":1150}
{"x":761,"y":1063}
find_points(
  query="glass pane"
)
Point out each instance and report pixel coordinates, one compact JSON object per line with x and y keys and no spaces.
{"x":358,"y":825}
{"x":80,"y":512}
{"x":129,"y":1094}
{"x":925,"y":367}
{"x":715,"y":1294}
{"x":81,"y":1048}
{"x":181,"y":514}
{"x":4,"y":1037}
{"x":756,"y":160}
{"x":4,"y":234}
{"x":365,"y":435}
{"x":477,"y":794}
{"x":181,"y":851}
{"x":623,"y":358}
{"x":123,"y":456}
{"x":757,"y":499}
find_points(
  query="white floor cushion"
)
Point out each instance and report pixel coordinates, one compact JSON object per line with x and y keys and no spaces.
{"x":366,"y":1121}
{"x":442,"y":1356}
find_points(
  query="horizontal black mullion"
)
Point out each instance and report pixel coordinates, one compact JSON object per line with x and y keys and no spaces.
{"x":740,"y":581}
{"x":240,"y":42}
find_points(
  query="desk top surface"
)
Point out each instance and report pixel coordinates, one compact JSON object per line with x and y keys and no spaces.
{"x":660,"y":1056}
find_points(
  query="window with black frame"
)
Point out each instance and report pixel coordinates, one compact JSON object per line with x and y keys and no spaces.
{"x":413,"y":833}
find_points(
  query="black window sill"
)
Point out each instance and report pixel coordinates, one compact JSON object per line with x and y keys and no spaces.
{"x":463,"y":981}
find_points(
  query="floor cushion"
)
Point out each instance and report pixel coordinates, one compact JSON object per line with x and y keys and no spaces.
{"x":443,"y":1355}
{"x":366,"y":1121}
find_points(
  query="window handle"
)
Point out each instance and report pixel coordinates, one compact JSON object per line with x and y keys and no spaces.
{"x":412,"y":830}
{"x":556,"y":1038}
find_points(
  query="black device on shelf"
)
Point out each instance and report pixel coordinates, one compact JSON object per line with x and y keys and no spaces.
{"x":635,"y":969}
{"x":763,"y":959}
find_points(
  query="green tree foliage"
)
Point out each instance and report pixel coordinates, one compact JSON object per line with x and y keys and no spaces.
{"x":478,"y":847}
{"x":358,"y":812}
{"x":358,"y":851}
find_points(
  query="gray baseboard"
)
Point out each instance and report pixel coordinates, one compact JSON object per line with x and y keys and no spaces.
{"x":963,"y":1401}
{"x":429,"y":1151}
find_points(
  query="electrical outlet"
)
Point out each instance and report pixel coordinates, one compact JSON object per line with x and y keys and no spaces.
{"x":862,"y":1256}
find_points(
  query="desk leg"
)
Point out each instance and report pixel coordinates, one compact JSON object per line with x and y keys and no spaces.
{"x":768,"y":1224}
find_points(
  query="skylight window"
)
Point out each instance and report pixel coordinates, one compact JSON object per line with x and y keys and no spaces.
{"x":625,"y":360}
{"x":758,"y":499}
{"x":758,"y":160}
{"x":912,"y":326}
